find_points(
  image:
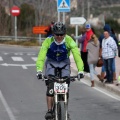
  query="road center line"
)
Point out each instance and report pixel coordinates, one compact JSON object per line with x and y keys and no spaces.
{"x":9,"y":111}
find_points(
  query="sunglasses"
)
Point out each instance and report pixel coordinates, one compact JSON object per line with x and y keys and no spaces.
{"x":59,"y":34}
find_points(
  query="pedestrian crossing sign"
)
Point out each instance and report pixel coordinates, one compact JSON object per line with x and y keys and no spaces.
{"x":63,"y":5}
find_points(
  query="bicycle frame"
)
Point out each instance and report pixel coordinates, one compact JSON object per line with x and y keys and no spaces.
{"x":60,"y":98}
{"x":61,"y":106}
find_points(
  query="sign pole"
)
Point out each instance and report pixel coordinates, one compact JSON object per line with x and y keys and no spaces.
{"x":76,"y":33}
{"x":58,"y":16}
{"x":15,"y":28}
{"x":15,"y":11}
{"x":64,"y":17}
{"x":40,"y":39}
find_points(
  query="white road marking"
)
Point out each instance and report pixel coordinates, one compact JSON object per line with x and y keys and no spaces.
{"x":31,"y":54}
{"x":17,"y":59}
{"x":34,"y":58}
{"x":27,"y":65}
{"x":24,"y":66}
{"x":5,"y":53}
{"x":9,"y":111}
{"x":18,"y":53}
{"x":1,"y":58}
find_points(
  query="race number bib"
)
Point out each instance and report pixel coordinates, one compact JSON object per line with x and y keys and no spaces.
{"x":60,"y":87}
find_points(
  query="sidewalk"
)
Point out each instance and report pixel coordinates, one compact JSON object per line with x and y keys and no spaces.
{"x":110,"y":87}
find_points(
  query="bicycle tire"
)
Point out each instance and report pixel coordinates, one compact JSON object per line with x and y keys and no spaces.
{"x":61,"y":111}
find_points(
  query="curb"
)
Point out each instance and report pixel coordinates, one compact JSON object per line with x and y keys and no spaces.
{"x":112,"y":88}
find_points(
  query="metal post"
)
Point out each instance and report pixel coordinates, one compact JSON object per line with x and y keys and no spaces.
{"x":88,"y":12}
{"x":40,"y":39}
{"x":76,"y":33}
{"x":83,"y":8}
{"x":64,"y":17}
{"x":58,"y":16}
{"x":15,"y":28}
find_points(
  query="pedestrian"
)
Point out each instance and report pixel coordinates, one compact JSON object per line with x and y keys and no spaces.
{"x":85,"y":38}
{"x":103,"y":70}
{"x":93,"y":56}
{"x":109,"y":49}
{"x":82,"y":38}
{"x":49,"y":29}
{"x":86,"y":32}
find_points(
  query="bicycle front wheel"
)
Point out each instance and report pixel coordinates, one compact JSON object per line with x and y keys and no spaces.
{"x":61,"y":110}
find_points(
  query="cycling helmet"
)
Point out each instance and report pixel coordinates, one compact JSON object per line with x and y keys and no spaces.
{"x":59,"y":28}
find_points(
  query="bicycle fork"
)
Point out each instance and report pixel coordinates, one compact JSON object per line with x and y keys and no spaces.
{"x":57,"y":100}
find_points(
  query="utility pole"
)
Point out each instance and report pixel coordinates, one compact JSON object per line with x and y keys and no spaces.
{"x":83,"y":12}
{"x":88,"y":13}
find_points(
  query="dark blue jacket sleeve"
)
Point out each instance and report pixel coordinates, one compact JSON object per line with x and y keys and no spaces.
{"x":100,"y":40}
{"x":115,"y":38}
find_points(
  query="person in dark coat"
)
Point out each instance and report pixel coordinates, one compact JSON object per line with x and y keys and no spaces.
{"x":49,"y":30}
{"x":108,"y":28}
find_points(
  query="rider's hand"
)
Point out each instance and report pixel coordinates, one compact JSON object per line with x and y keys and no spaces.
{"x":80,"y":75}
{"x":39,"y":75}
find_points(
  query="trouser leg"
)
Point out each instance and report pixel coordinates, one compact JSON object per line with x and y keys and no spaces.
{"x":109,"y":72}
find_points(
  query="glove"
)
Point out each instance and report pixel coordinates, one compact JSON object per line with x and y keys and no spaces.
{"x":80,"y":75}
{"x":39,"y":75}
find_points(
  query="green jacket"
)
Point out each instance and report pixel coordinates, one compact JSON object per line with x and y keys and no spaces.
{"x":71,"y":46}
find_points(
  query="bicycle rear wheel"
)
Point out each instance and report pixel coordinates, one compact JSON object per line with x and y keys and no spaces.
{"x":61,"y":111}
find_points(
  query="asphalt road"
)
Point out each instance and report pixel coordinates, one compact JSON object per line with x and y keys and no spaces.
{"x":22,"y":96}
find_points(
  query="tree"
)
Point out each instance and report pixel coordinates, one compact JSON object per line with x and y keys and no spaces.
{"x":45,"y":13}
{"x":26,"y":19}
{"x":5,"y":22}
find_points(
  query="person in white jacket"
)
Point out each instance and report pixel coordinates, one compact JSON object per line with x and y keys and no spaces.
{"x":109,"y":49}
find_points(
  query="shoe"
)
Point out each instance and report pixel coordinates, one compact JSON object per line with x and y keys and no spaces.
{"x":49,"y":115}
{"x":109,"y":82}
{"x":106,"y":81}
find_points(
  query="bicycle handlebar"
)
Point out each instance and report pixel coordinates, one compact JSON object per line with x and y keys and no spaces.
{"x":59,"y":80}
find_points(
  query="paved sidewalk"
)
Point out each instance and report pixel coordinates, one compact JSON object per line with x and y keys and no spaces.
{"x":110,"y":87}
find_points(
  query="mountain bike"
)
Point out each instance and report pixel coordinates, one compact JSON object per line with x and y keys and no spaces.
{"x":61,"y":88}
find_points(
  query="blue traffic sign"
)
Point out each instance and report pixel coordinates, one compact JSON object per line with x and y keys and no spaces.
{"x":63,"y":5}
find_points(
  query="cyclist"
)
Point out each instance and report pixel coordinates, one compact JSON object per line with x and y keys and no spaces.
{"x":49,"y":29}
{"x":57,"y":49}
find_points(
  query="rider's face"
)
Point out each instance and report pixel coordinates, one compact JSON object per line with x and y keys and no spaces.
{"x":59,"y":37}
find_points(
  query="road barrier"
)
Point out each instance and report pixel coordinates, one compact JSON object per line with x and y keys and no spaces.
{"x":20,"y":38}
